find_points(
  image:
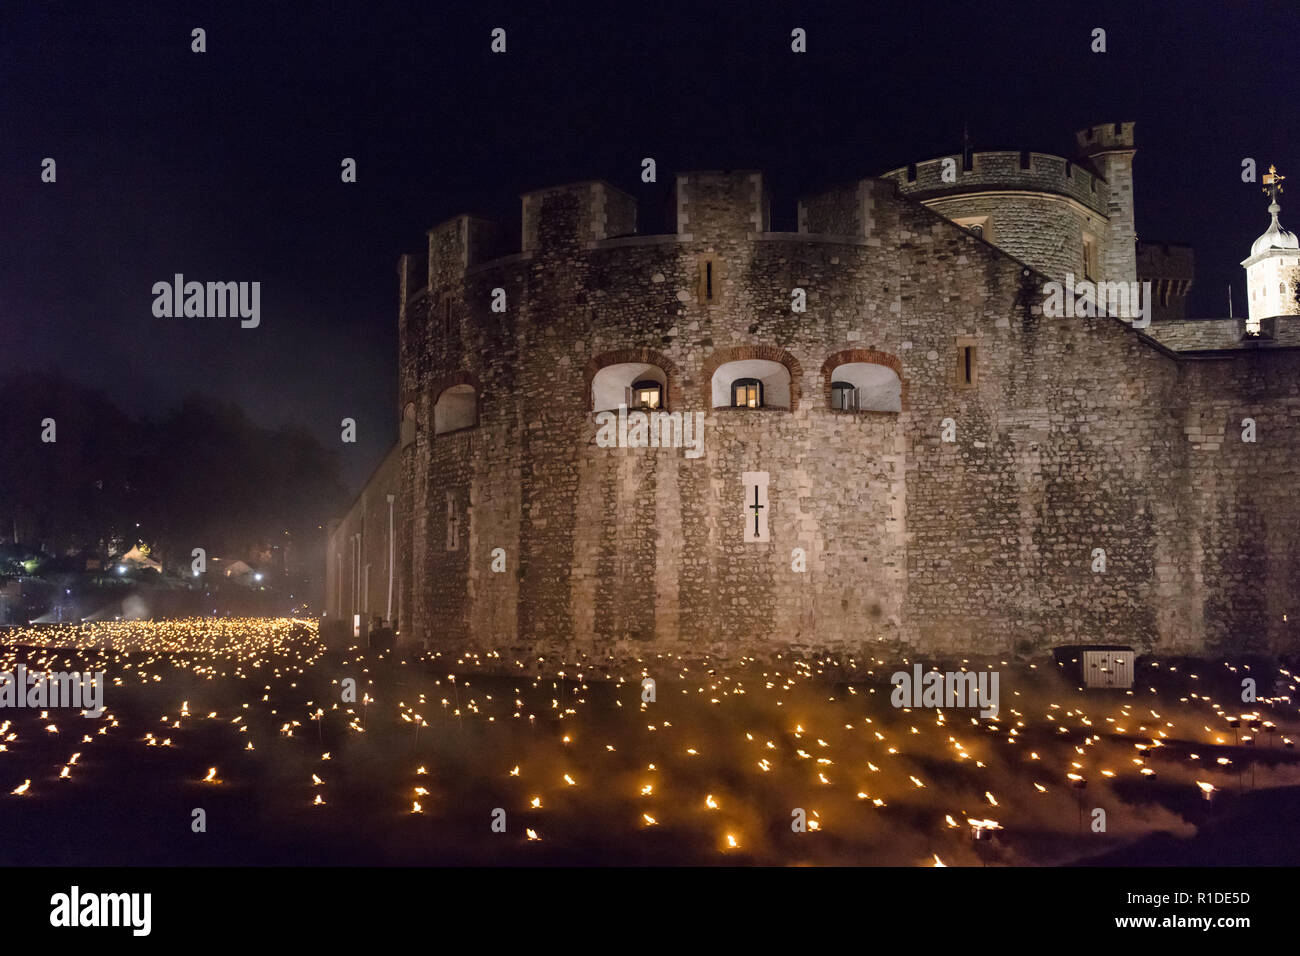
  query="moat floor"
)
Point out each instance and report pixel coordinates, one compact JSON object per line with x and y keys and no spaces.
{"x":581,"y":771}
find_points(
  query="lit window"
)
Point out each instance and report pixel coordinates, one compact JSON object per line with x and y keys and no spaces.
{"x":751,"y":383}
{"x":633,"y":384}
{"x":647,"y":394}
{"x":747,"y":393}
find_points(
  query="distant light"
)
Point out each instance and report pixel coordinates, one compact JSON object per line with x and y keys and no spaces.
{"x":257,"y":576}
{"x":121,"y":569}
{"x":68,"y":591}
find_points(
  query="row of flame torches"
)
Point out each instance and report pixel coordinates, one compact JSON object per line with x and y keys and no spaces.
{"x":251,"y":649}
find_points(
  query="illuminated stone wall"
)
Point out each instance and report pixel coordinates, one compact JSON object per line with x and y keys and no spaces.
{"x":1072,"y":439}
{"x":358,"y":548}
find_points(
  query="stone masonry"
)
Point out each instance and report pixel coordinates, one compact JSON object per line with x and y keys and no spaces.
{"x":516,"y":531}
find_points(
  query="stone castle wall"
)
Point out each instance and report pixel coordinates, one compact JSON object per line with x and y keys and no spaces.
{"x":1003,"y":169}
{"x":1044,"y":232}
{"x":1041,"y":206}
{"x":1170,"y":268}
{"x":1243,"y":539}
{"x":357,"y":550}
{"x":1078,"y":434}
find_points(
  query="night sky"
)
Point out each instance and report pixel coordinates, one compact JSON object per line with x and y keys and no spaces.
{"x":225,"y":165}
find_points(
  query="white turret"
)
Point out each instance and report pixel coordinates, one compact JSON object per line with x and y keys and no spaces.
{"x":1271,"y":270}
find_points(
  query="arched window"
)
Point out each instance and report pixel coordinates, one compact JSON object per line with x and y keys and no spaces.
{"x":634,"y":384}
{"x":747,"y":393}
{"x":647,"y":394}
{"x":866,"y":387}
{"x":979,"y":226}
{"x":751,"y":383}
{"x":408,"y":424}
{"x":456,"y":408}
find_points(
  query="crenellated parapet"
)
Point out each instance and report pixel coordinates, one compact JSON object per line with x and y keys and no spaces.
{"x":576,"y":213}
{"x":846,"y":210}
{"x":1063,"y":217}
{"x":1002,"y":170}
{"x":715,"y":205}
{"x":1170,"y":268}
{"x":1106,"y":138}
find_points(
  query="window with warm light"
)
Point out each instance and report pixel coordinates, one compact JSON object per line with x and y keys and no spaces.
{"x":750,"y":383}
{"x":647,"y":394}
{"x":747,"y":393}
{"x":634,"y":384}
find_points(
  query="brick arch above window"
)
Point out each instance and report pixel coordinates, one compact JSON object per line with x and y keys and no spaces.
{"x":740,"y":353}
{"x":637,"y":356}
{"x":869,"y":356}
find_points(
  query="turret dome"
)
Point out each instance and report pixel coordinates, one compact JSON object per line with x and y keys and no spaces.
{"x":1275,"y":237}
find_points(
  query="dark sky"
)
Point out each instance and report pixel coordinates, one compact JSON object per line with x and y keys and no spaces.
{"x":225,"y":165}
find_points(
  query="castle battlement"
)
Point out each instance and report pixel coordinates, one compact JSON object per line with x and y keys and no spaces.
{"x":1165,"y":260}
{"x":579,"y":212}
{"x":710,"y":206}
{"x":1104,"y":138}
{"x":1013,"y":197}
{"x":1003,"y":170}
{"x":713,"y":205}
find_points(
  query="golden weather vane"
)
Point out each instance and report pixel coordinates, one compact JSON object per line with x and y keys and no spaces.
{"x":1273,"y":182}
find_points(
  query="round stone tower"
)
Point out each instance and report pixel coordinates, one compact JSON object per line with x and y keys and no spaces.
{"x":1061,"y":217}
